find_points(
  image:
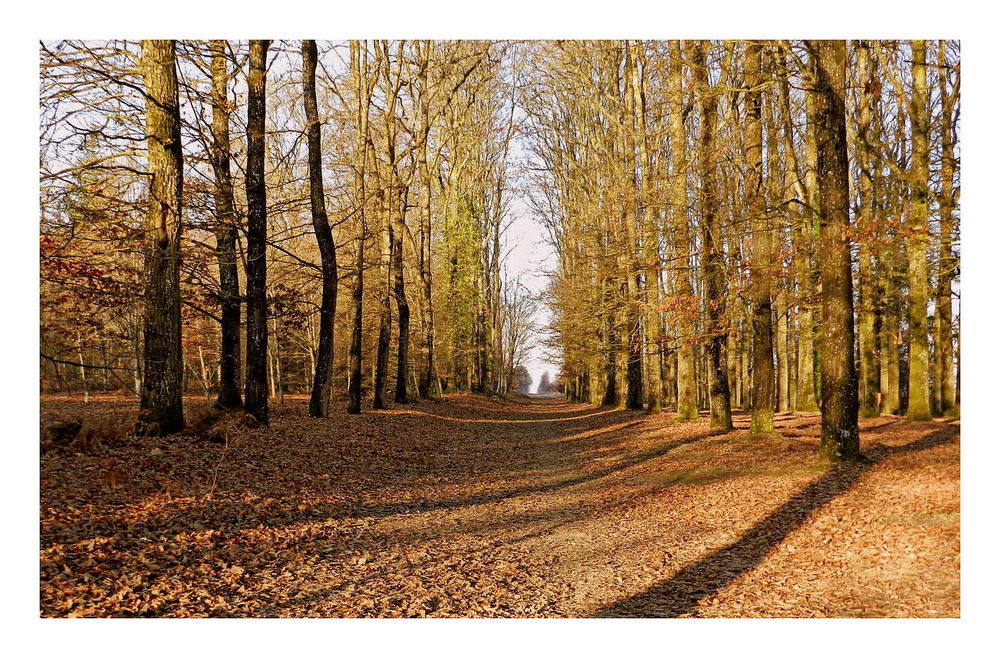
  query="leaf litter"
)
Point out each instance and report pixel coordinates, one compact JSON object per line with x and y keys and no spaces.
{"x":475,"y":507}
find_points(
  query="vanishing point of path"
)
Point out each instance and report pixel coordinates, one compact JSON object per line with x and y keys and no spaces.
{"x":473,"y":507}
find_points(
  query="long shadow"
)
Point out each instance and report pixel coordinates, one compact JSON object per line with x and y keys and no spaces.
{"x":226,"y":516}
{"x":392,"y":509}
{"x":680,"y":594}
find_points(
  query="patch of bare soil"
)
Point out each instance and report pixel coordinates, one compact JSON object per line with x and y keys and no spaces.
{"x":474,"y":507}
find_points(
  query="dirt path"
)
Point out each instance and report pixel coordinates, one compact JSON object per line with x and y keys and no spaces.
{"x":473,"y":507}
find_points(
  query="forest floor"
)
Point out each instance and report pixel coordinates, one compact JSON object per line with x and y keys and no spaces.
{"x":475,"y":507}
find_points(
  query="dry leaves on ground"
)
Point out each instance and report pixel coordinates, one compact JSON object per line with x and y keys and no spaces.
{"x":475,"y":507}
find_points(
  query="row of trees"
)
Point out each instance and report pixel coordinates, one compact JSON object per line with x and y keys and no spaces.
{"x":769,"y":225}
{"x":205,"y":205}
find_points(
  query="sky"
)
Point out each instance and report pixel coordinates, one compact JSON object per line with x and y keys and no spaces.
{"x":530,"y":257}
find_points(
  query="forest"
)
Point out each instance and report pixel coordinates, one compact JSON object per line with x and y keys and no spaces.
{"x":282,"y":304}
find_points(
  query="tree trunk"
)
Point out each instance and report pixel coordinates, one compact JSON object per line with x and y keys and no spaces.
{"x":713,"y":267}
{"x":867,"y":226}
{"x":781,"y":336}
{"x":687,"y":394}
{"x":946,"y":258}
{"x":256,"y":378}
{"x":839,"y":439}
{"x":385,"y":316}
{"x":919,"y":394}
{"x":160,"y":404}
{"x":429,"y":386}
{"x":762,"y":395}
{"x":359,"y":65}
{"x":226,"y":235}
{"x":403,"y":307}
{"x":319,"y":399}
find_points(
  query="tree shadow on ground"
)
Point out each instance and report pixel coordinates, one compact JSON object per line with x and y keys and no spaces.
{"x":231,"y":515}
{"x":679,"y":595}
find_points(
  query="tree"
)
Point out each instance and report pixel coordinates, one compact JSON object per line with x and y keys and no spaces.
{"x":713,"y":267}
{"x":226,"y":234}
{"x":919,"y":407}
{"x":687,"y":402}
{"x":162,"y":410}
{"x":544,"y":384}
{"x":839,"y":439}
{"x":678,"y":184}
{"x":319,"y":401}
{"x":359,"y":70}
{"x":256,"y":377}
{"x":521,"y":380}
{"x":947,"y":263}
{"x":762,"y":398}
{"x":869,"y":301}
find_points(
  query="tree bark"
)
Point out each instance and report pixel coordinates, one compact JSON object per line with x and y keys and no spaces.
{"x":429,"y":386}
{"x":839,"y":440}
{"x":762,"y":394}
{"x":256,"y":378}
{"x":359,"y":65}
{"x":687,"y":393}
{"x":226,"y":235}
{"x":919,"y":394}
{"x":163,"y":365}
{"x":868,"y":299}
{"x":713,"y":267}
{"x":319,"y":399}
{"x":946,"y":257}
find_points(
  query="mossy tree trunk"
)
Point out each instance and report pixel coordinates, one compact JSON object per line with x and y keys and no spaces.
{"x":687,"y":395}
{"x":839,"y":439}
{"x":919,"y":395}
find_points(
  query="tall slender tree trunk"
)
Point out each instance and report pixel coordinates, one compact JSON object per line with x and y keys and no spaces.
{"x":687,"y":395}
{"x":713,"y":267}
{"x":646,"y":214}
{"x":385,"y":315}
{"x":429,"y":385}
{"x":163,"y":365}
{"x":403,"y":307}
{"x":762,"y":349}
{"x":319,"y":399}
{"x":839,"y":440}
{"x":868,"y":229}
{"x":226,"y":235}
{"x":781,"y":348}
{"x":894,"y":262}
{"x":919,"y":394}
{"x":359,"y":65}
{"x":256,"y":379}
{"x":612,"y":396}
{"x":633,"y":276}
{"x":946,"y":257}
{"x":801,"y":220}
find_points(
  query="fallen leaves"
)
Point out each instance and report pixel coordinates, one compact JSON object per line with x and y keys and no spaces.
{"x":475,"y":507}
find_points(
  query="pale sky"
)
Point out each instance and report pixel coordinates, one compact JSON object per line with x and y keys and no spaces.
{"x":530,"y":257}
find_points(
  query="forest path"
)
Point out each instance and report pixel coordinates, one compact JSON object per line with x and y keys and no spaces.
{"x":475,"y":507}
